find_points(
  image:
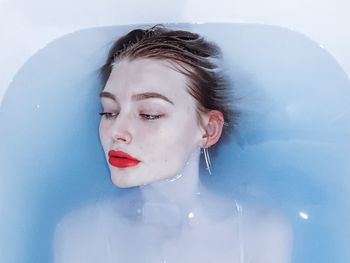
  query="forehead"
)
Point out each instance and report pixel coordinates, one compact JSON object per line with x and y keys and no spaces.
{"x":147,"y":75}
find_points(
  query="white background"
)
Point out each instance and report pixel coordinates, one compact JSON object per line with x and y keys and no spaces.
{"x":27,"y":26}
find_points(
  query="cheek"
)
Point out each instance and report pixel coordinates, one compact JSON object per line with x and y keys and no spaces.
{"x":170,"y":143}
{"x":188,"y":133}
{"x":152,"y":141}
{"x":103,"y":134}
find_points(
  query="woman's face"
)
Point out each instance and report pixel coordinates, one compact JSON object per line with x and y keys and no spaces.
{"x":149,"y":125}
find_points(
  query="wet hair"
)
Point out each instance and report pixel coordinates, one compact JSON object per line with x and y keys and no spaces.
{"x":191,"y":55}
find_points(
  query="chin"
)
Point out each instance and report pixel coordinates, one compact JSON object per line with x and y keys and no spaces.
{"x":127,"y":181}
{"x":122,"y":182}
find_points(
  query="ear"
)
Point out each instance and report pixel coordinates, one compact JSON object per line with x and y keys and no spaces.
{"x":212,"y":128}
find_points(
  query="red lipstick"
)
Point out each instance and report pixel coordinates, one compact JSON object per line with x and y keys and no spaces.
{"x":121,"y":159}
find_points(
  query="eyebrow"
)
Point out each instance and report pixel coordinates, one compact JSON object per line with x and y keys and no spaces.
{"x":137,"y":97}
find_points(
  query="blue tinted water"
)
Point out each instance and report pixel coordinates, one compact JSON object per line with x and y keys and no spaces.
{"x":291,"y":148}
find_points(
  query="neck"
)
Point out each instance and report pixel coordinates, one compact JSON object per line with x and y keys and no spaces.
{"x":177,"y":194}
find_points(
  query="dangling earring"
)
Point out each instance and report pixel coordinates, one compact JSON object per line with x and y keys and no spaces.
{"x":207,"y":159}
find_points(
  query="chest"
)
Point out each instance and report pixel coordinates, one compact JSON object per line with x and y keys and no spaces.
{"x":191,"y":243}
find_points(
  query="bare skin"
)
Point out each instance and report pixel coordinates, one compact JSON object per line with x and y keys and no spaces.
{"x":173,"y":218}
{"x":139,"y":228}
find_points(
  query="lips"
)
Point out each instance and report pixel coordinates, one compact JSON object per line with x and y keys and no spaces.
{"x":121,"y":159}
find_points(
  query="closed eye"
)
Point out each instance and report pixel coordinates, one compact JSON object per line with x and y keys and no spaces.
{"x":109,"y":115}
{"x":150,"y":117}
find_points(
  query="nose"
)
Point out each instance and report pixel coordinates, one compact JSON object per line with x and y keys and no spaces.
{"x":121,"y":137}
{"x":120,"y":131}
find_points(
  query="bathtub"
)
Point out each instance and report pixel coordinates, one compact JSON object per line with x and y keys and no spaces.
{"x":291,"y":149}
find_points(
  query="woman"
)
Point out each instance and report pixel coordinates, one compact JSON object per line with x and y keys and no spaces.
{"x":164,"y":99}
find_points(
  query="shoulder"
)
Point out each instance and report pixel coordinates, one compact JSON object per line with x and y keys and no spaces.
{"x":267,"y":234}
{"x":83,"y":229}
{"x":84,"y":218}
{"x":264,"y":233}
